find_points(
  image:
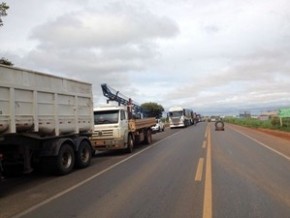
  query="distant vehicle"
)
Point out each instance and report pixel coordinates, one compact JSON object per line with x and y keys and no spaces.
{"x":180,"y":117}
{"x":214,"y":118}
{"x":198,"y":118}
{"x":219,"y":125}
{"x":159,"y":126}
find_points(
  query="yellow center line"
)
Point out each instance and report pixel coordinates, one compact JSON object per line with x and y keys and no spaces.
{"x":198,"y":175}
{"x":207,"y":201}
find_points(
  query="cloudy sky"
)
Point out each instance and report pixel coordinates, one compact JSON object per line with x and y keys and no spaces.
{"x":214,"y":56}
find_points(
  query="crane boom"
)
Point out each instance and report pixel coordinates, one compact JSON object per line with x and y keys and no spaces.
{"x":114,"y":95}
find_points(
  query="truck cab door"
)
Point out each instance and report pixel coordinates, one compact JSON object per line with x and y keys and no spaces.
{"x":124,"y":124}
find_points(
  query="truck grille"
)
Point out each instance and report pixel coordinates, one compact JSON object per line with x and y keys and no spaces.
{"x":102,"y":133}
{"x":175,"y":120}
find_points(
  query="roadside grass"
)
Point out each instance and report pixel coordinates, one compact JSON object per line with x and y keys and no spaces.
{"x":273,"y":123}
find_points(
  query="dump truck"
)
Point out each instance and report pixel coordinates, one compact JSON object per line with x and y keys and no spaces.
{"x":45,"y":122}
{"x":120,"y":126}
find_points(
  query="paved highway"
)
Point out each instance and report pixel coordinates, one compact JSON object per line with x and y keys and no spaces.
{"x":191,"y":172}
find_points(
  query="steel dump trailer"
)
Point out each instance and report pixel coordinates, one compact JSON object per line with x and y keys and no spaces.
{"x":45,"y":122}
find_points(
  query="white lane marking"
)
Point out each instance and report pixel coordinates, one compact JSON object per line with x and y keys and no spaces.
{"x":204,"y":144}
{"x":87,"y":180}
{"x":205,"y":137}
{"x":264,"y":145}
{"x":207,"y":201}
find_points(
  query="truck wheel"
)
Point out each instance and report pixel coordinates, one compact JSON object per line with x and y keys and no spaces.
{"x":130,"y":144}
{"x":83,"y":155}
{"x":219,"y":125}
{"x":65,"y":160}
{"x":148,"y":138}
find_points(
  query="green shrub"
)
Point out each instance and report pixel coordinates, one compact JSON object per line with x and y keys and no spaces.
{"x":273,"y":123}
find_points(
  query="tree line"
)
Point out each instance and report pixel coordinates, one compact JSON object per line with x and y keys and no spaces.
{"x":3,"y":12}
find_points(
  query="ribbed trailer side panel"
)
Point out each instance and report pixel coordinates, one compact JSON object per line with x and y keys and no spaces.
{"x":43,"y":104}
{"x":45,"y":122}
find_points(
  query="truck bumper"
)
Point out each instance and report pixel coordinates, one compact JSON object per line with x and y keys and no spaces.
{"x":177,"y":125}
{"x":108,"y":144}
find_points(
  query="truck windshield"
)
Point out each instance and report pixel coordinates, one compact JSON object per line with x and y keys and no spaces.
{"x":176,"y":113}
{"x":105,"y":117}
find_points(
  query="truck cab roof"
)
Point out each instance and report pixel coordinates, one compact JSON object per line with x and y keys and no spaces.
{"x":110,"y":107}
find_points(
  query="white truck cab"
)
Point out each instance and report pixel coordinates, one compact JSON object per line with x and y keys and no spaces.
{"x":110,"y":127}
{"x":114,"y":130}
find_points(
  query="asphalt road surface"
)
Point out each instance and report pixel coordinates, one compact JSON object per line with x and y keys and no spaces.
{"x":189,"y":172}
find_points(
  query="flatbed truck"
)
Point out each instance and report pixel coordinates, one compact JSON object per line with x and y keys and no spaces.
{"x":120,"y":127}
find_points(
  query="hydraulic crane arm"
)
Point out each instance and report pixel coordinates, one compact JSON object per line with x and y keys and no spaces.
{"x":114,"y":95}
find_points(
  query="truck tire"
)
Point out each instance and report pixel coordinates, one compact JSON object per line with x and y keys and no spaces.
{"x":64,"y":162}
{"x":148,"y":137}
{"x":83,"y":155}
{"x":219,"y":125}
{"x":130,"y":144}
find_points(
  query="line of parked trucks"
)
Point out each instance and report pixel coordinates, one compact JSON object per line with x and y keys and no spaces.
{"x":182,"y":117}
{"x":49,"y":122}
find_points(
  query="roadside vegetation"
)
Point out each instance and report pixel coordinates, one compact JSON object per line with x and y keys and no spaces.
{"x":152,"y":109}
{"x":3,"y":12}
{"x":273,"y":123}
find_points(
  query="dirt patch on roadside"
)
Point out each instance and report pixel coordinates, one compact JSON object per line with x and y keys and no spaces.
{"x":277,"y":133}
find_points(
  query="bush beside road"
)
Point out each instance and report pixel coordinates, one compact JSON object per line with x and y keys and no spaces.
{"x":273,"y":123}
{"x":271,"y":127}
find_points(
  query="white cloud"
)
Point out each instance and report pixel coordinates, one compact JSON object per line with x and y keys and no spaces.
{"x":94,"y":29}
{"x":101,"y":41}
{"x":213,"y":56}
